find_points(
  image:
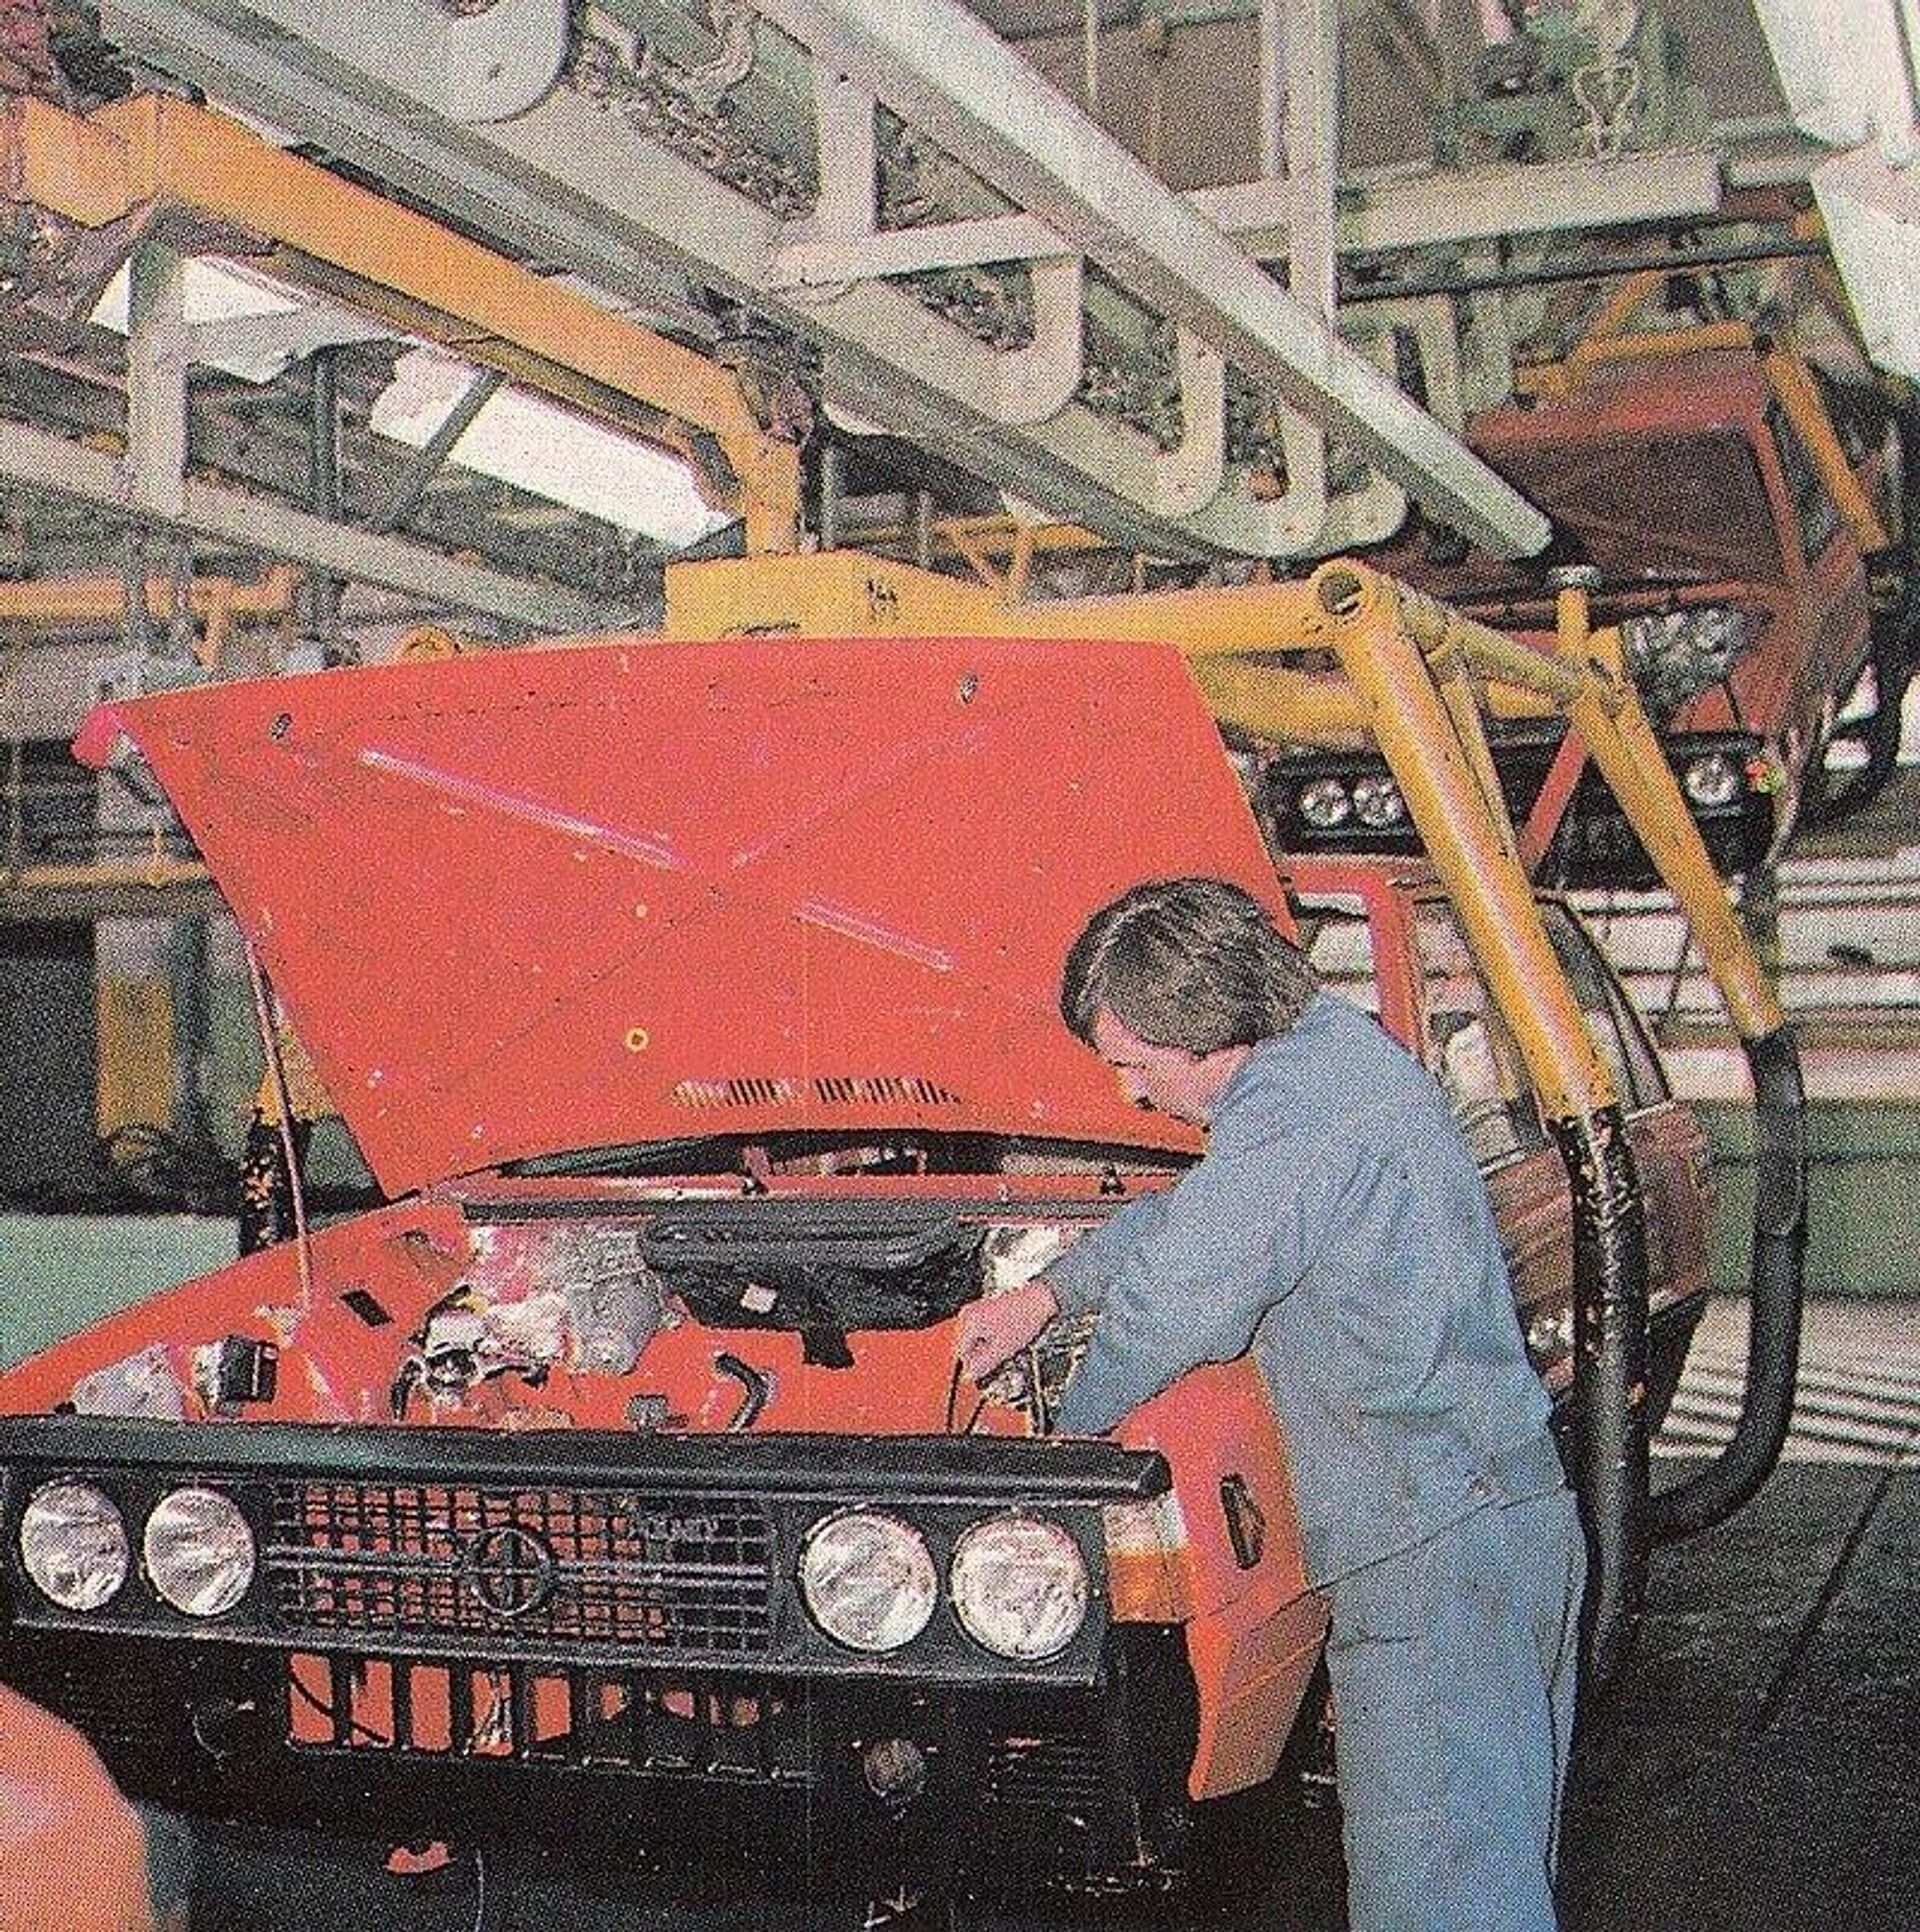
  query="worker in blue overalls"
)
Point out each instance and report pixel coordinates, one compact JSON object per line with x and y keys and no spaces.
{"x":1338,"y":1227}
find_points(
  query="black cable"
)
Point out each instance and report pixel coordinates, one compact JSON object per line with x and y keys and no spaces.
{"x":332,"y":1715}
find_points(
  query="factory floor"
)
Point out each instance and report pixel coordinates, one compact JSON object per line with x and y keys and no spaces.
{"x":1758,"y":1770}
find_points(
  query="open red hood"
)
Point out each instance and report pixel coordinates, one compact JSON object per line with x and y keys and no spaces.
{"x":541,"y":900}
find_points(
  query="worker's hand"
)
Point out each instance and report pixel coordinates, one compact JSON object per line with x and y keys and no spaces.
{"x":998,"y":1327}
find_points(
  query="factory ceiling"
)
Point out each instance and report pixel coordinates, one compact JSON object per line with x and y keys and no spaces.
{"x":477,"y":312}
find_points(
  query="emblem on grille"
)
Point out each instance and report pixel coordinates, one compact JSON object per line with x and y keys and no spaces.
{"x":508,"y":1571}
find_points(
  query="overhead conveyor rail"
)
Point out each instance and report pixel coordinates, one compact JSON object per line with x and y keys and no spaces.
{"x":1417,"y":678}
{"x":578,"y":173}
{"x":153,"y":153}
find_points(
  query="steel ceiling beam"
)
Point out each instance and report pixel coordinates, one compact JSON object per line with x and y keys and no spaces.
{"x":1452,"y":207}
{"x":948,"y":76}
{"x":266,"y":528}
{"x":252,"y":443}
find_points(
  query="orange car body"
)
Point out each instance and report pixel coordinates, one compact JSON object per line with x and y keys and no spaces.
{"x":1717,"y":540}
{"x":696,"y":1005}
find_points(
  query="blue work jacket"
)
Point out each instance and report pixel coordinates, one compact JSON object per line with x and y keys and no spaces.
{"x":1338,"y":1226}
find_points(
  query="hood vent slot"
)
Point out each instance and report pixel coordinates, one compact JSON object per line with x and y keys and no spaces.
{"x":840,"y":1090}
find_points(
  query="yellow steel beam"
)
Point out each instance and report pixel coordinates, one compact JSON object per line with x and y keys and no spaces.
{"x":1455,"y":685}
{"x":1624,"y":746}
{"x":1447,"y":637}
{"x":990,"y":536}
{"x":1562,"y":378}
{"x":154,"y":148}
{"x":844,"y":593}
{"x":1604,"y":708}
{"x":1409,"y":720}
{"x":833,"y":593}
{"x":1268,"y":701}
{"x":1617,"y":311}
{"x":1806,"y":409}
{"x":52,"y":603}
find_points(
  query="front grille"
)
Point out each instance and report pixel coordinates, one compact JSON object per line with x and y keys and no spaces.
{"x":1053,"y":1772}
{"x":475,"y":1566}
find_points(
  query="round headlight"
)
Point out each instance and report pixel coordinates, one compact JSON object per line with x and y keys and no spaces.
{"x":868,"y":1580}
{"x":1324,"y":804}
{"x":73,"y":1544}
{"x":1712,"y":779}
{"x":1377,"y":802}
{"x":199,"y":1552}
{"x":1019,"y":1587}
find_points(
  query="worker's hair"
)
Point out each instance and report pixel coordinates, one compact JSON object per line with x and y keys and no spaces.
{"x":1189,"y":963}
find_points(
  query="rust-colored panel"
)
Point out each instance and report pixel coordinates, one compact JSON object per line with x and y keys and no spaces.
{"x":1255,"y":1630}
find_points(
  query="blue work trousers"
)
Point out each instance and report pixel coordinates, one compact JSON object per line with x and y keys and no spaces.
{"x":1453,"y":1667}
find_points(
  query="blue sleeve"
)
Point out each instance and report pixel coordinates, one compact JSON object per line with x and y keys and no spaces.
{"x":1081,"y":1277}
{"x":1234,"y":1237}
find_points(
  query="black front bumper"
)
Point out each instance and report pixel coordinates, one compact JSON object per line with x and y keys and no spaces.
{"x":600,"y":1636}
{"x":1594,"y":846}
{"x":1070,"y":1784}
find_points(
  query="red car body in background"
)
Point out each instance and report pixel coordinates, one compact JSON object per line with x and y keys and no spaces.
{"x":1728,"y":531}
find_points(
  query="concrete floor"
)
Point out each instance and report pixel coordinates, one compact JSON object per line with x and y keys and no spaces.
{"x":1758,"y":1770}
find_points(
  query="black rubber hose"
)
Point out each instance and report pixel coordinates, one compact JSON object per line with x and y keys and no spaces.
{"x":1779,"y":1281}
{"x":1609,"y":1378}
{"x":757,"y":1384}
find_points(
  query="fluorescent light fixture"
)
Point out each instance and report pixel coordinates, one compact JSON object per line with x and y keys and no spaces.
{"x":1846,"y":69}
{"x":272,"y":324}
{"x":547,"y":451}
{"x":517,"y":438}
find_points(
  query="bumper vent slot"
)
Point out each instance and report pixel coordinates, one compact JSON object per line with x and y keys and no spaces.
{"x":716,"y":1727}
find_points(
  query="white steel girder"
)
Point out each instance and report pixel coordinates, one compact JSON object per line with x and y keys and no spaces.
{"x":1850,"y":71}
{"x":948,"y":76}
{"x":1515,"y":198}
{"x":571,"y":181}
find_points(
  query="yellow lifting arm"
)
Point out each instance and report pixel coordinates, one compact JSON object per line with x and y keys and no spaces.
{"x":1472,"y":849}
{"x":156,"y":149}
{"x":1414,"y":676}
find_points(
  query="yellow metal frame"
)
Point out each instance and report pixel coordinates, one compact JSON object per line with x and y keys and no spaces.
{"x":219,"y":603}
{"x":1612,"y":346}
{"x":153,"y":149}
{"x":1414,"y":677}
{"x":1806,"y":409}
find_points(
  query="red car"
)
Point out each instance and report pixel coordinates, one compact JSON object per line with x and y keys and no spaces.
{"x":696,"y":1006}
{"x":1727,"y":528}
